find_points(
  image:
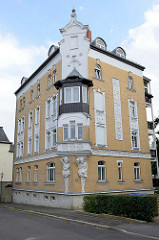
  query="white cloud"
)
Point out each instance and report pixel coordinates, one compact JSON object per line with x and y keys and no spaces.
{"x":142,"y":45}
{"x":81,"y":8}
{"x":15,"y":62}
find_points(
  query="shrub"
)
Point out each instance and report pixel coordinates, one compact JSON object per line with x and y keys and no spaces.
{"x":142,"y":207}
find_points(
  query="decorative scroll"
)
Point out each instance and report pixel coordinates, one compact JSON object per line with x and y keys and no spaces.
{"x":117,"y":110}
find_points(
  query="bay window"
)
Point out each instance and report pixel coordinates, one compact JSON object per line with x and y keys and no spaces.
{"x":72,"y":94}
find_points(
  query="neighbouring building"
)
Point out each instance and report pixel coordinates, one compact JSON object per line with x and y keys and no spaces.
{"x":81,"y":125}
{"x":6,"y":166}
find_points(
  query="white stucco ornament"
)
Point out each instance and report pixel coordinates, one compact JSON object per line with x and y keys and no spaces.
{"x":82,"y":170}
{"x":66,"y":172}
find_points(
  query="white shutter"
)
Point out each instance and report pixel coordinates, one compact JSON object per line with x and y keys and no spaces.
{"x":45,"y":140}
{"x":100,"y":135}
{"x":39,"y":115}
{"x":46,"y":110}
{"x":35,"y":116}
{"x":51,"y":106}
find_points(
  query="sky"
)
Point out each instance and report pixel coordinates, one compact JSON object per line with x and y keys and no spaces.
{"x":29,"y":27}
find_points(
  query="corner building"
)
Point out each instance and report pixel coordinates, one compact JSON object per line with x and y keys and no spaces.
{"x":81,"y":125}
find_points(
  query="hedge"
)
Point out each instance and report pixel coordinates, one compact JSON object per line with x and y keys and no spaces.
{"x":142,"y":207}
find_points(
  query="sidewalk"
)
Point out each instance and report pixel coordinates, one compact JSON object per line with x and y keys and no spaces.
{"x":128,"y":226}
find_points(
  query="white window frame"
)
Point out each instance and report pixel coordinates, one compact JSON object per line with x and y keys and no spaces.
{"x":54,"y":75}
{"x":137,"y":168}
{"x":79,"y":125}
{"x":49,"y":80}
{"x":85,"y":94}
{"x":100,"y":168}
{"x":134,"y":134}
{"x":72,"y":90}
{"x":61,"y":97}
{"x":49,"y":169}
{"x":130,"y":83}
{"x":36,"y":142}
{"x":48,"y":139}
{"x":54,"y":136}
{"x":20,"y":175}
{"x":30,"y":119}
{"x":133,"y":110}
{"x":36,"y":173}
{"x":65,"y":126}
{"x":29,"y":145}
{"x":120,"y":52}
{"x":29,"y":174}
{"x":100,"y":44}
{"x":17,"y":176}
{"x":120,"y":170}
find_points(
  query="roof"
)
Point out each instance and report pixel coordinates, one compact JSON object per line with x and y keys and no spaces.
{"x":38,"y":69}
{"x":110,"y":54}
{"x":146,"y":79}
{"x":3,"y":136}
{"x":74,"y":73}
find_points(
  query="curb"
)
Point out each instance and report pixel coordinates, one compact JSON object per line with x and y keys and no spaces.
{"x":98,"y":226}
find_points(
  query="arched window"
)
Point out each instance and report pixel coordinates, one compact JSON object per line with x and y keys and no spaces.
{"x":97,"y":71}
{"x":17,"y":177}
{"x":120,"y":52}
{"x":101,"y":171}
{"x":137,"y":171}
{"x":51,"y":172}
{"x":100,"y":43}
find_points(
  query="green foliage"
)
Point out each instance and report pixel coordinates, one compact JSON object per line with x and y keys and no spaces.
{"x":157,"y":190}
{"x":142,"y":207}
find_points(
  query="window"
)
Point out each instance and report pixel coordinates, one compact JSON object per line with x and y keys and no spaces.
{"x":29,"y":145}
{"x":31,"y":95}
{"x":151,"y":141}
{"x":48,"y":140}
{"x":30,"y":119}
{"x":137,"y":171}
{"x":49,"y":80}
{"x":22,"y":126}
{"x":38,"y":89}
{"x":72,"y":130}
{"x":120,"y":52}
{"x":18,"y":149}
{"x":65,"y":132}
{"x":36,"y":143}
{"x":51,"y":172}
{"x":54,"y":106}
{"x":37,"y":115}
{"x":20,"y":174}
{"x":17,"y":177}
{"x":132,"y":109}
{"x":84,"y":94}
{"x":36,"y":173}
{"x":21,"y":149}
{"x":60,"y":96}
{"x":97,"y":71}
{"x":29,"y":174}
{"x":100,"y":43}
{"x":23,"y":102}
{"x":146,"y":87}
{"x":130,"y":83}
{"x":72,"y":94}
{"x":48,"y":108}
{"x":80,"y":131}
{"x":74,"y":42}
{"x":19,"y":126}
{"x":54,"y":75}
{"x":54,"y":137}
{"x":101,"y":171}
{"x":120,"y":171}
{"x":134,"y":139}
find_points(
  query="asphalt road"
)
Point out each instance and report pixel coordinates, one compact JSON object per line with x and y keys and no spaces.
{"x":15,"y":225}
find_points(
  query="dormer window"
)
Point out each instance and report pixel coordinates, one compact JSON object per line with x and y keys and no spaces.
{"x":97,"y":71}
{"x":120,"y":52}
{"x":100,"y":43}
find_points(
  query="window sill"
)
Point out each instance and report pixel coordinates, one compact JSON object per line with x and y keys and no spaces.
{"x":100,"y":145}
{"x":35,"y":183}
{"x":133,"y":90}
{"x":121,"y":182}
{"x":138,"y":181}
{"x":27,"y":183}
{"x":18,"y":182}
{"x":102,"y":182}
{"x":49,"y":183}
{"x":136,"y":149}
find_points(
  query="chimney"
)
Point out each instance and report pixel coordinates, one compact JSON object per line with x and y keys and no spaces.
{"x":89,"y":35}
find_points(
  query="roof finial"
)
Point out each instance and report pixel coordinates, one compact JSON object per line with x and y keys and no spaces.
{"x":73,"y":15}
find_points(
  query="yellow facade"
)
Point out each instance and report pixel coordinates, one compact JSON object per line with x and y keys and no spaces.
{"x":76,"y":162}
